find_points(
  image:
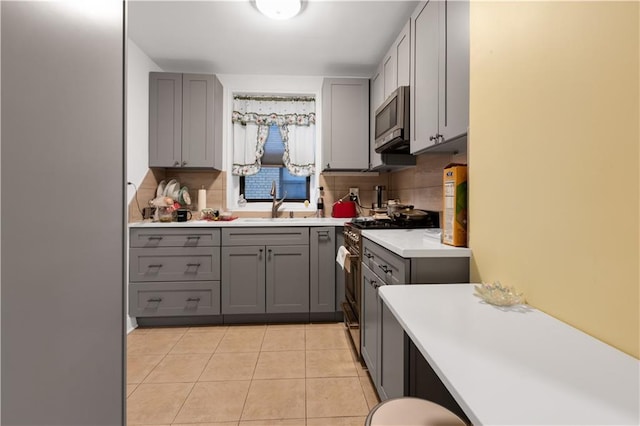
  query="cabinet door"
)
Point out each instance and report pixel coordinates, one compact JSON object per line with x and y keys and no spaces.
{"x":389,"y":71}
{"x":287,"y":282}
{"x":345,"y":128}
{"x":424,"y":78}
{"x":165,"y":119}
{"x":197,"y":120}
{"x":377,"y":97}
{"x":243,"y":280}
{"x":369,"y":321}
{"x":403,"y":56}
{"x":322,"y":287}
{"x":454,"y":65}
{"x":392,"y":356}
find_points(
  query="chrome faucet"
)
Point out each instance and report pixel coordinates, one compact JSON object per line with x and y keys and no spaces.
{"x":276,"y":204}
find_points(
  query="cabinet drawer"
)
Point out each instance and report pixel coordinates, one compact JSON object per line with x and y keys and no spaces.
{"x":174,"y":264}
{"x":176,"y":237}
{"x":392,"y":268}
{"x":174,"y":299}
{"x":269,"y":236}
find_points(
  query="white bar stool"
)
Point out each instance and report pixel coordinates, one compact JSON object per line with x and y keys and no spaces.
{"x":409,"y":411}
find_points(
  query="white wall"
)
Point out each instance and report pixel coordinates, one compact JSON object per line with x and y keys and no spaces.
{"x":266,"y":84}
{"x":138,"y":67}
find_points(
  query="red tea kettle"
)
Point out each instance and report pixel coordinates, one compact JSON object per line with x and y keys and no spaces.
{"x":344,"y":209}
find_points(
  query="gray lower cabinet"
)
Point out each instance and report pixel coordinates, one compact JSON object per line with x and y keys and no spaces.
{"x":243,"y":280}
{"x":322,"y":285}
{"x":384,"y":348}
{"x":369,"y":319}
{"x":174,"y":272}
{"x":269,"y":278}
{"x":392,"y":352}
{"x":287,"y":283}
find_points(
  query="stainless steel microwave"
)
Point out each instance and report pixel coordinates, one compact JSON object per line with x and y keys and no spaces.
{"x":392,"y":123}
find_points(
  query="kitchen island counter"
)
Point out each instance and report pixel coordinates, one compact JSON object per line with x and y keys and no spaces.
{"x":515,"y":365}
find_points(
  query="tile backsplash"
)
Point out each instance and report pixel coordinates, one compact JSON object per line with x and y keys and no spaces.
{"x":420,"y":185}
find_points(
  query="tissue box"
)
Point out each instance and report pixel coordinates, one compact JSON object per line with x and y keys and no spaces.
{"x":454,"y":228}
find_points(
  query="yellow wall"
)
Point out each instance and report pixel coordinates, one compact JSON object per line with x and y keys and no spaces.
{"x":554,"y":159}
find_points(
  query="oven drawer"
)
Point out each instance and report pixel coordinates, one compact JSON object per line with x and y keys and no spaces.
{"x":389,"y":267}
{"x":174,"y":264}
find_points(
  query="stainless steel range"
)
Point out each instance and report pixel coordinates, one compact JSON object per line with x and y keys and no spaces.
{"x":352,"y":282}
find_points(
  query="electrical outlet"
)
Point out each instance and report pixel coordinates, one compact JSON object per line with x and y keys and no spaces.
{"x":354,"y":191}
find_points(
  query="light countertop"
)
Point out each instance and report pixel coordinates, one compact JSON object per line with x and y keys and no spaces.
{"x":413,"y":243}
{"x":244,"y":222}
{"x":516,"y":365}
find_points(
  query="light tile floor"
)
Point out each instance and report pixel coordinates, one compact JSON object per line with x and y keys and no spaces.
{"x":293,"y":375}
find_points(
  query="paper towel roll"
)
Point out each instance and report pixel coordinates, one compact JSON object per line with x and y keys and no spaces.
{"x":202,"y":199}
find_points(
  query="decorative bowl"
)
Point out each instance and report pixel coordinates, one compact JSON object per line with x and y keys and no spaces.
{"x":497,"y":294}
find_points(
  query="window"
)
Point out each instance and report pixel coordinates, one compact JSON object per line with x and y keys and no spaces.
{"x":256,"y":188}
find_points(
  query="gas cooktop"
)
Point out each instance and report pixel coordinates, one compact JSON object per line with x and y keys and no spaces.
{"x":431,"y":220}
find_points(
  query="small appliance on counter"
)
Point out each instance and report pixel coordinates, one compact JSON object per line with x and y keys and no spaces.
{"x":344,"y":209}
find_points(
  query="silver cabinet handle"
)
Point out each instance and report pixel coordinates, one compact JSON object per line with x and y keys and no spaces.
{"x":184,"y":163}
{"x":368,"y":255}
{"x":193,"y":299}
{"x":193,"y":264}
{"x":155,"y":265}
{"x":154,"y":238}
{"x":155,"y":299}
{"x":176,"y":163}
{"x":374,"y":284}
{"x":193,"y":237}
{"x":384,"y":268}
{"x":323,"y":234}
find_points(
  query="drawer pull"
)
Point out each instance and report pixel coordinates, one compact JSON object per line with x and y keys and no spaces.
{"x":193,"y":299}
{"x":323,"y":234}
{"x":368,"y":255}
{"x":193,"y":237}
{"x":155,"y":299}
{"x":155,"y":238}
{"x":384,"y":268}
{"x":374,"y":284}
{"x":155,"y":265}
{"x":195,"y":265}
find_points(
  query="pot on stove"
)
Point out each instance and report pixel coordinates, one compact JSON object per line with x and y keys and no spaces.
{"x":395,"y":206}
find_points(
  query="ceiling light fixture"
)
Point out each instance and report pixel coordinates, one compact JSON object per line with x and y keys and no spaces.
{"x":279,"y":9}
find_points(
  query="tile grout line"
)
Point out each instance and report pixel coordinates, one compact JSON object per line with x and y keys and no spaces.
{"x":159,"y":362}
{"x":244,"y":404}
{"x":193,"y":386}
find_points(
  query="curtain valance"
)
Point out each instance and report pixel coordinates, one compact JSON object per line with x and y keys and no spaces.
{"x":251,"y":119}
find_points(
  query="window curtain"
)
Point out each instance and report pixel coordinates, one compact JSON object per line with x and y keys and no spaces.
{"x":296,"y":119}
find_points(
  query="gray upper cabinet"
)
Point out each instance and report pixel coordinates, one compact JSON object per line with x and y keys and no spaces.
{"x":165,"y":119}
{"x":439,"y":73}
{"x":345,"y":124}
{"x":322,"y":283}
{"x":185,"y":121}
{"x":377,"y":97}
{"x":396,"y":63}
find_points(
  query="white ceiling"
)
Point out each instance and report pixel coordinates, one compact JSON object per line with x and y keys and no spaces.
{"x":328,"y":38}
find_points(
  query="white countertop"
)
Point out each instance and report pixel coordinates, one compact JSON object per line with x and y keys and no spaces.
{"x":516,"y":365}
{"x":413,"y":243}
{"x":244,"y":222}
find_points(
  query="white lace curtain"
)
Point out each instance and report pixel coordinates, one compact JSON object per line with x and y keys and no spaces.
{"x":296,"y":119}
